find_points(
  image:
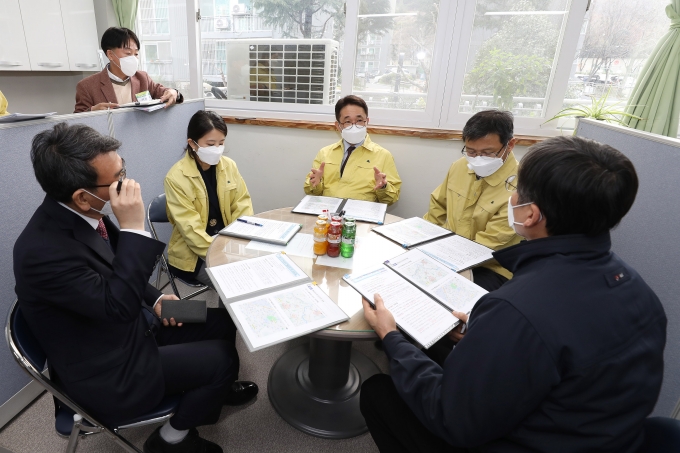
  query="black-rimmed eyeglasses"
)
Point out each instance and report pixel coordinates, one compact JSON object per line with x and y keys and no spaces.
{"x":470,"y":153}
{"x":121,"y":177}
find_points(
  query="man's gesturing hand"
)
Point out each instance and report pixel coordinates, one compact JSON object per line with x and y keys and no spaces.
{"x":380,"y":179}
{"x":380,"y":319}
{"x":128,"y":205}
{"x":316,"y":175}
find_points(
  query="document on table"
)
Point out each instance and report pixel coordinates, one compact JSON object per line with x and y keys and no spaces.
{"x":302,"y":244}
{"x":285,"y":314}
{"x":366,"y":211}
{"x":272,"y":231}
{"x":457,"y":253}
{"x":255,"y":276}
{"x":315,"y":204}
{"x":417,"y":314}
{"x":413,"y":231}
{"x":438,"y":281}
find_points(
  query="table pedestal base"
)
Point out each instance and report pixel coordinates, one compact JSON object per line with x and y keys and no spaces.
{"x":316,"y":388}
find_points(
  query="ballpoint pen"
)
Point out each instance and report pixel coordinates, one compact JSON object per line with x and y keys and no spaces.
{"x":249,"y":223}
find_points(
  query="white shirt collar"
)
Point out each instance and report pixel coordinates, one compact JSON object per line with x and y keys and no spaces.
{"x":347,"y":145}
{"x":94,"y":223}
{"x":113,"y":76}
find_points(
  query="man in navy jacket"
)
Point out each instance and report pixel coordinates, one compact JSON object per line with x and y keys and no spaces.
{"x":567,"y":356}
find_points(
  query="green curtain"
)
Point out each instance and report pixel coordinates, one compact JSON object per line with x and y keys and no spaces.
{"x":656,"y":96}
{"x":126,"y":12}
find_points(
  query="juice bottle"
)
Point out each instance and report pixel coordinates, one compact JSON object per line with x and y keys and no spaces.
{"x":349,"y":232}
{"x":320,"y":240}
{"x":334,"y":238}
{"x":324,"y":217}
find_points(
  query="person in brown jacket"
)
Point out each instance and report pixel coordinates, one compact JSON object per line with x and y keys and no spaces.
{"x":120,"y":82}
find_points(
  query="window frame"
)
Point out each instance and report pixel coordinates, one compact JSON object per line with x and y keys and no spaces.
{"x":453,"y":36}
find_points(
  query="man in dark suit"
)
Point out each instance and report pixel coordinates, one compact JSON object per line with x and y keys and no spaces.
{"x":83,"y":286}
{"x":567,"y":356}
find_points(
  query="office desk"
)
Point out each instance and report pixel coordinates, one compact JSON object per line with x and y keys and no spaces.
{"x":315,"y":387}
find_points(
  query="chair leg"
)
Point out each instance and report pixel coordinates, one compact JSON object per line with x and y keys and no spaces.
{"x":75,"y":434}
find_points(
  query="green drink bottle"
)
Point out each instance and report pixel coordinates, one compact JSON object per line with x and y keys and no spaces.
{"x":349,"y":233}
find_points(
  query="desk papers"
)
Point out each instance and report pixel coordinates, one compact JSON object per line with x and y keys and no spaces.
{"x":271,"y":300}
{"x":365,"y":211}
{"x":420,"y":292}
{"x":457,"y":253}
{"x":16,"y":117}
{"x":302,"y":244}
{"x":272,"y":231}
{"x":413,"y":231}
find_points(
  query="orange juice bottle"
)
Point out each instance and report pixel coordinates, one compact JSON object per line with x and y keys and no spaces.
{"x":320,"y":237}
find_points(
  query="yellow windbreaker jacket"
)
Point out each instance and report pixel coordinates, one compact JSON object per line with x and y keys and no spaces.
{"x":476,"y":209}
{"x":358,"y":179}
{"x":187,"y":207}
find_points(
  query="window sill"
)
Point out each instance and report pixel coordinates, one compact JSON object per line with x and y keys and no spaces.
{"x":432,"y":134}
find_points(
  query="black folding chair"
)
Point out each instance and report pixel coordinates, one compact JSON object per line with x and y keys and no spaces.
{"x":156,"y":213}
{"x":71,"y":420}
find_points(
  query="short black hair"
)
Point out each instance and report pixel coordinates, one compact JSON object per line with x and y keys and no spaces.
{"x":62,"y":158}
{"x":581,"y":186}
{"x":349,"y":100}
{"x":481,"y":124}
{"x":201,"y":123}
{"x":118,"y":37}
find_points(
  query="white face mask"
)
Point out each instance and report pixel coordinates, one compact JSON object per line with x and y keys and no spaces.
{"x":511,"y":214}
{"x":106,"y":209}
{"x":210,"y":155}
{"x":354,"y":134}
{"x":484,"y":166}
{"x":128,"y":65}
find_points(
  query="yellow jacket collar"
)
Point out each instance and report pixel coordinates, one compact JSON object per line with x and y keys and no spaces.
{"x":502,"y":174}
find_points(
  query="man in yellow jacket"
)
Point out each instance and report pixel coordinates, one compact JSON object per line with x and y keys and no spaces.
{"x":473,"y":200}
{"x":355,"y":167}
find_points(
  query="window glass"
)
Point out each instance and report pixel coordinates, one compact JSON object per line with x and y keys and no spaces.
{"x":512,"y":55}
{"x":616,"y":39}
{"x":272,"y":51}
{"x":164,"y":53}
{"x":395,"y":42}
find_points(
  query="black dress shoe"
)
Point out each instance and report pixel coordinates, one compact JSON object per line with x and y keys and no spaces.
{"x":192,"y":443}
{"x":240,"y":393}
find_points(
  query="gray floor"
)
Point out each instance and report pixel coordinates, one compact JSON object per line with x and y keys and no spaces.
{"x":252,"y":428}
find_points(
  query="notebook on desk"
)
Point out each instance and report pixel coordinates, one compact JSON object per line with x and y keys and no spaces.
{"x":265,"y":230}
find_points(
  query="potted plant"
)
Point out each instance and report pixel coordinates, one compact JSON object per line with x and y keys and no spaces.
{"x":598,"y":110}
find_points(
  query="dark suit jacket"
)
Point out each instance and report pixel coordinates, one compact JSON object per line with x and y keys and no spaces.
{"x":84,"y":304}
{"x":98,"y":88}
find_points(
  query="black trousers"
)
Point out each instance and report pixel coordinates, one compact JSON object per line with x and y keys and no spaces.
{"x":200,"y":361}
{"x":487,"y":279}
{"x":393,"y":426}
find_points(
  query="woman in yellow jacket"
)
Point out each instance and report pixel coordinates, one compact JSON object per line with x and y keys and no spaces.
{"x":204,"y":193}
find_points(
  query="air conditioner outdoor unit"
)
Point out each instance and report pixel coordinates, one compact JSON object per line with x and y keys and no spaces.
{"x":222,"y":23}
{"x":297,"y":71}
{"x":239,"y":8}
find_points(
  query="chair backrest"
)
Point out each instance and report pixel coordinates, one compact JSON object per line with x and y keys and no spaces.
{"x":156,"y":212}
{"x":20,"y":339}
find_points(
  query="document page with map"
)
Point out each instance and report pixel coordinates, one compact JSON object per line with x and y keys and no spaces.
{"x":438,"y":281}
{"x":265,"y":230}
{"x":241,"y":279}
{"x":365,"y":211}
{"x":418,"y":315}
{"x":457,"y":253}
{"x":413,"y":231}
{"x":283,"y":315}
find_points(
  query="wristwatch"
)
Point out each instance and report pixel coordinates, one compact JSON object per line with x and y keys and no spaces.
{"x":180,"y":97}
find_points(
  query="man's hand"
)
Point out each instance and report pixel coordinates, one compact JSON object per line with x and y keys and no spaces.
{"x":159,"y":306}
{"x":380,"y":179}
{"x":315,"y":175}
{"x":458,"y":333}
{"x":170,"y":96}
{"x":104,"y":106}
{"x":128,"y":205}
{"x":379,"y":318}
